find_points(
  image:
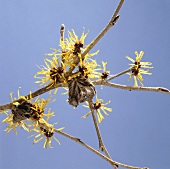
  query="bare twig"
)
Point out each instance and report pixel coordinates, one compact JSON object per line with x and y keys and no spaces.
{"x":114,"y":163}
{"x":119,"y":74}
{"x":101,"y":144}
{"x":111,"y":23}
{"x":62,"y":30}
{"x":139,"y":88}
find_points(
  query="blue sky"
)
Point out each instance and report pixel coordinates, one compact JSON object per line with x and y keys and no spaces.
{"x":137,"y":132}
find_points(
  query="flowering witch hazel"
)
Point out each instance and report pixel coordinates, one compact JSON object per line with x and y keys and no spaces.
{"x":44,"y":130}
{"x":139,"y":68}
{"x":55,"y":69}
{"x":52,"y":73}
{"x":72,"y":67}
{"x":105,"y":73}
{"x":30,"y":115}
{"x":98,"y":107}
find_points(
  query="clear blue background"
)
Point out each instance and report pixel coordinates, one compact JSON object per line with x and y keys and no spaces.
{"x":137,"y":132}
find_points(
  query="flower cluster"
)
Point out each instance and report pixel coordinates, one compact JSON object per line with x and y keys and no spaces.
{"x":139,"y":68}
{"x":79,"y":80}
{"x":31,"y":116}
{"x":29,"y":113}
{"x":68,"y":67}
{"x":63,"y":59}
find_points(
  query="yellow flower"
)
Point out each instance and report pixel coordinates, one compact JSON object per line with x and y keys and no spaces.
{"x":73,"y":44}
{"x":45,"y":130}
{"x":137,"y":65}
{"x":89,"y":68}
{"x":37,"y":109}
{"x":105,"y":73}
{"x":71,"y":48}
{"x":98,"y":106}
{"x":53,"y":72}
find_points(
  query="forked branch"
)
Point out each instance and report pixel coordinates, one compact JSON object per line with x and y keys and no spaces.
{"x":112,"y":162}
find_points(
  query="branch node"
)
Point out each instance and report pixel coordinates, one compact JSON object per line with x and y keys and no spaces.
{"x":113,"y":22}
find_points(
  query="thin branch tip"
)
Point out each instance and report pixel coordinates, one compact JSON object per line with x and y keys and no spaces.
{"x":62,"y":26}
{"x":164,"y":89}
